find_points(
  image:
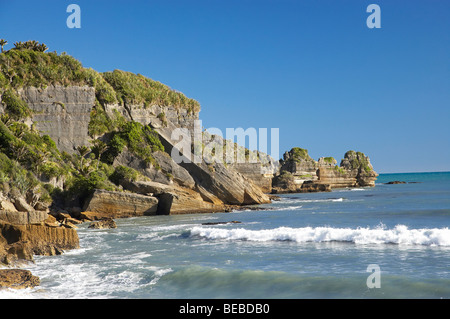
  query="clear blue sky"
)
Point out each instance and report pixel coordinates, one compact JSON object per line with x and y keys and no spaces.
{"x":311,"y":68}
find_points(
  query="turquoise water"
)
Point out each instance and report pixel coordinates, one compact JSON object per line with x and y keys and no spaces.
{"x":316,"y":245}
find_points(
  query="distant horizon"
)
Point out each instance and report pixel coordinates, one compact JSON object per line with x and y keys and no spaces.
{"x":413,"y":172}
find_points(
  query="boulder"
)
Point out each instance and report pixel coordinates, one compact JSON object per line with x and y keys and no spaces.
{"x":21,"y":205}
{"x":105,"y":223}
{"x":18,"y":279}
{"x":120,"y":204}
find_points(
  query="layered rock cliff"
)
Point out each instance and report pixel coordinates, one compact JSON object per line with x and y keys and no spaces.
{"x":78,"y":141}
{"x":76,"y":145}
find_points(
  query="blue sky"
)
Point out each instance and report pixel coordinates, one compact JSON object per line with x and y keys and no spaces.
{"x":311,"y":68}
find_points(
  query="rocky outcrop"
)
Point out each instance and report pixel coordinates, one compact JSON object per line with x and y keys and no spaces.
{"x":355,"y":170}
{"x":223,"y":182}
{"x":287,"y":183}
{"x":120,"y":204}
{"x":20,"y":242}
{"x":18,"y":279}
{"x":300,"y":173}
{"x":105,"y":223}
{"x":64,"y":114}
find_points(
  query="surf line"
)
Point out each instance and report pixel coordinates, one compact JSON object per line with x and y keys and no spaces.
{"x":196,"y":309}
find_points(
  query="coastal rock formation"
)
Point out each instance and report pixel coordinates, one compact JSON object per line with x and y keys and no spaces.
{"x":300,"y":173}
{"x":20,"y":242}
{"x":121,"y":204}
{"x":225,"y":183}
{"x":17,"y":279}
{"x":105,"y":223}
{"x":64,"y":114}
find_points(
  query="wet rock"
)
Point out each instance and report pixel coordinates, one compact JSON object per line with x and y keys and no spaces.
{"x":18,"y":279}
{"x":106,"y":223}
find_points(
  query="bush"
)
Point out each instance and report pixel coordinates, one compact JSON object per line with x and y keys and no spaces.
{"x":15,"y":107}
{"x":123,"y":173}
{"x":137,"y":89}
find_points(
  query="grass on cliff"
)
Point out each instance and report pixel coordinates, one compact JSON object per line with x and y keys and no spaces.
{"x":28,"y":160}
{"x":21,"y":68}
{"x":136,"y":89}
{"x":298,"y":154}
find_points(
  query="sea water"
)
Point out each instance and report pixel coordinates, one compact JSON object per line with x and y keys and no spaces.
{"x":317,"y":245}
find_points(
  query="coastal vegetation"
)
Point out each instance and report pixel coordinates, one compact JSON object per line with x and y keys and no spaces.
{"x":29,"y":161}
{"x":297,"y":154}
{"x":358,"y":160}
{"x":27,"y":64}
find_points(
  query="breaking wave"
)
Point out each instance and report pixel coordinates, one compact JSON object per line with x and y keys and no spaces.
{"x":400,"y":235}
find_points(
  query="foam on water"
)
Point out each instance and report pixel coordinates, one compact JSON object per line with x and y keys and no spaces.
{"x":400,"y":235}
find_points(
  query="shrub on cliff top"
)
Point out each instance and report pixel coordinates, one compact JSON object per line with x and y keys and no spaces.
{"x":138,"y":89}
{"x":298,"y":154}
{"x":20,"y":68}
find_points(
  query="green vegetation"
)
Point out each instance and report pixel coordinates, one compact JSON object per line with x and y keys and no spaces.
{"x":339,"y":169}
{"x":30,"y":45}
{"x":139,"y":139}
{"x":358,"y":160}
{"x":123,"y":173}
{"x":329,"y":160}
{"x":3,"y":42}
{"x":14,"y":106}
{"x":298,"y":154}
{"x":28,"y":65}
{"x":31,"y":161}
{"x":137,"y":89}
{"x":286,"y":176}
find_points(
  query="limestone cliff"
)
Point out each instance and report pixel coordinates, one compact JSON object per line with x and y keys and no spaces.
{"x":79,"y":145}
{"x":114,"y":121}
{"x":61,"y":112}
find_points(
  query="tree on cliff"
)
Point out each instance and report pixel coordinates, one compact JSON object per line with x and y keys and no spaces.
{"x":3,"y":42}
{"x":82,"y":151}
{"x":30,"y":45}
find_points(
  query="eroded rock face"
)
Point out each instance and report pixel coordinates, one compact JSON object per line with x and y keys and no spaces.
{"x":21,"y":242}
{"x":227,"y":184}
{"x":61,"y":112}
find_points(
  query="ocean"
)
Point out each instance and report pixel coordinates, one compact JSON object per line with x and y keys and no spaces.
{"x":387,"y":241}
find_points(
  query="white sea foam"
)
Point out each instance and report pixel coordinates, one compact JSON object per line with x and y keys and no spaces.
{"x":324,"y":200}
{"x":289,"y":207}
{"x":400,"y":235}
